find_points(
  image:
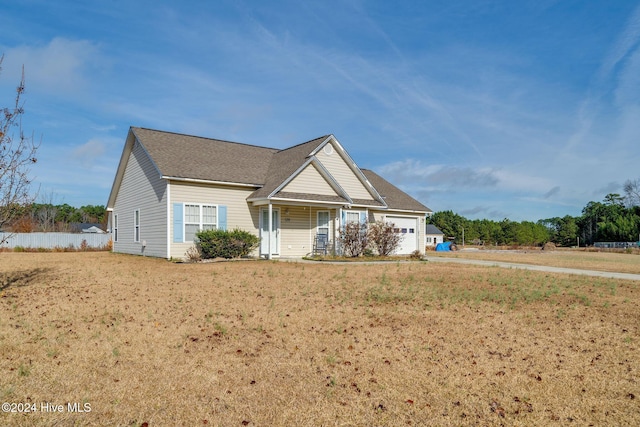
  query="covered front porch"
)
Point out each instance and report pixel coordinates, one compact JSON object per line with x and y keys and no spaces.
{"x":294,"y":230}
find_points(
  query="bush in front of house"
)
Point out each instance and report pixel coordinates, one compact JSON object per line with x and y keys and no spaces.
{"x":383,"y":238}
{"x":225,"y":244}
{"x":354,"y":238}
{"x":357,"y":239}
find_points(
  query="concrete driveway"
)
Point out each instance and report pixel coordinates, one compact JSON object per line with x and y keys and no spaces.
{"x":594,"y":273}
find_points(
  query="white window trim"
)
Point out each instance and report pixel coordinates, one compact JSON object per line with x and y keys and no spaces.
{"x":136,"y":226}
{"x":354,"y":212}
{"x":115,"y":227}
{"x":200,"y":206}
{"x":328,"y":226}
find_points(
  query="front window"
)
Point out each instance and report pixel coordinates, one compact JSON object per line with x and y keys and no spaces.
{"x":198,"y":217}
{"x":352,"y":217}
{"x":209,"y":218}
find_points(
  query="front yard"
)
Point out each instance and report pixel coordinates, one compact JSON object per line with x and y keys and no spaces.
{"x":283,"y":343}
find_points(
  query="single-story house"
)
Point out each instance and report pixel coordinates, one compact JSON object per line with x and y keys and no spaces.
{"x":168,"y":186}
{"x":433,"y":235}
{"x":86,"y":227}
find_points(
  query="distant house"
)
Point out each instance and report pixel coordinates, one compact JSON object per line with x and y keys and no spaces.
{"x":85,"y":227}
{"x":433,"y":235}
{"x":168,"y":186}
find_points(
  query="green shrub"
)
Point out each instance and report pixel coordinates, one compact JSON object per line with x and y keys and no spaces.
{"x":225,"y":244}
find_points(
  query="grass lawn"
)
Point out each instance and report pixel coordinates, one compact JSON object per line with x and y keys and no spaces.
{"x":262,"y":343}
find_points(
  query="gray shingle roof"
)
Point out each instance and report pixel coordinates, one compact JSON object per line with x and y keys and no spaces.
{"x":432,"y":229}
{"x":194,"y":157}
{"x":393,"y":196}
{"x":185,"y":156}
{"x":284,"y":163}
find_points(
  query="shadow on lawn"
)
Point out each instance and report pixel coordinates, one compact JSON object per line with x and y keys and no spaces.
{"x":21,"y":278}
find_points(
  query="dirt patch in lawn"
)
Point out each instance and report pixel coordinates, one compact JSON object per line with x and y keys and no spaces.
{"x":139,"y":340}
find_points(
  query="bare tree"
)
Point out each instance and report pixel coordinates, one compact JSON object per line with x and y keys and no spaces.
{"x":45,"y":213}
{"x":632,"y":191}
{"x":17,"y":154}
{"x":353,"y":238}
{"x":383,"y":238}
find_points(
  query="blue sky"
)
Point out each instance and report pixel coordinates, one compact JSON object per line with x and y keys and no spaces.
{"x":492,"y":109}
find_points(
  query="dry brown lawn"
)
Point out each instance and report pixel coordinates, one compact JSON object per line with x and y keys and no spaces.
{"x":565,"y":258}
{"x":147,"y":342}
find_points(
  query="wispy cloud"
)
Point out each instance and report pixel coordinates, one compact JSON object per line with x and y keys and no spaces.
{"x":62,"y":66}
{"x":88,"y":153}
{"x":619,"y":72}
{"x":415,"y":171}
{"x":627,"y":42}
{"x":555,"y":190}
{"x":611,"y":187}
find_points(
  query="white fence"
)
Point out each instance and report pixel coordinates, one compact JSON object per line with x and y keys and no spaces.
{"x":616,"y":245}
{"x":54,"y":240}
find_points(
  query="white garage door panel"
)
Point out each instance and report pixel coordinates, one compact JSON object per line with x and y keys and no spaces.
{"x":408,"y":228}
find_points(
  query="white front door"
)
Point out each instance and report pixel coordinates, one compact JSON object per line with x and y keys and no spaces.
{"x":264,"y":232}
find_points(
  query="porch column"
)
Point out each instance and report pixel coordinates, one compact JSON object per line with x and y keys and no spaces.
{"x":270,"y":230}
{"x":336,"y":245}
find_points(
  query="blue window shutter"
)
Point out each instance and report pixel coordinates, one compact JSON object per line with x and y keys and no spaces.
{"x":222,"y":217}
{"x":363,"y":217}
{"x":178,"y":231}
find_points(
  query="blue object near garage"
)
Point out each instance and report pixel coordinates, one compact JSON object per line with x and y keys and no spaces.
{"x":443,"y":247}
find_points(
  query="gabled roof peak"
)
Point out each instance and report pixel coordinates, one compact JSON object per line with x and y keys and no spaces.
{"x":314,"y":140}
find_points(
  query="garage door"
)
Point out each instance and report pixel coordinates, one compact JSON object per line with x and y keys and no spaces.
{"x":408,"y":228}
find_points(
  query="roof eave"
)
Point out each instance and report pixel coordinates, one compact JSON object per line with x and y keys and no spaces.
{"x":259,"y":201}
{"x":212,"y":182}
{"x":289,"y":178}
{"x":411,"y":211}
{"x":124,"y":159}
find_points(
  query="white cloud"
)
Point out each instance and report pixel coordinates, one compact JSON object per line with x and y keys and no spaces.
{"x":89,"y":153}
{"x":61,"y":66}
{"x":418,"y":174}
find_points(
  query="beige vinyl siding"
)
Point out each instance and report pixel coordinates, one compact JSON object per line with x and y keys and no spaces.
{"x":343,"y":174}
{"x":240,"y":214}
{"x":298,"y":229}
{"x":310,"y":181}
{"x":294,"y":230}
{"x":422,"y":227}
{"x":143,"y":189}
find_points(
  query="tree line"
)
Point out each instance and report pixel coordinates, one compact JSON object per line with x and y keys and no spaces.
{"x":615,"y":219}
{"x":48,"y":217}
